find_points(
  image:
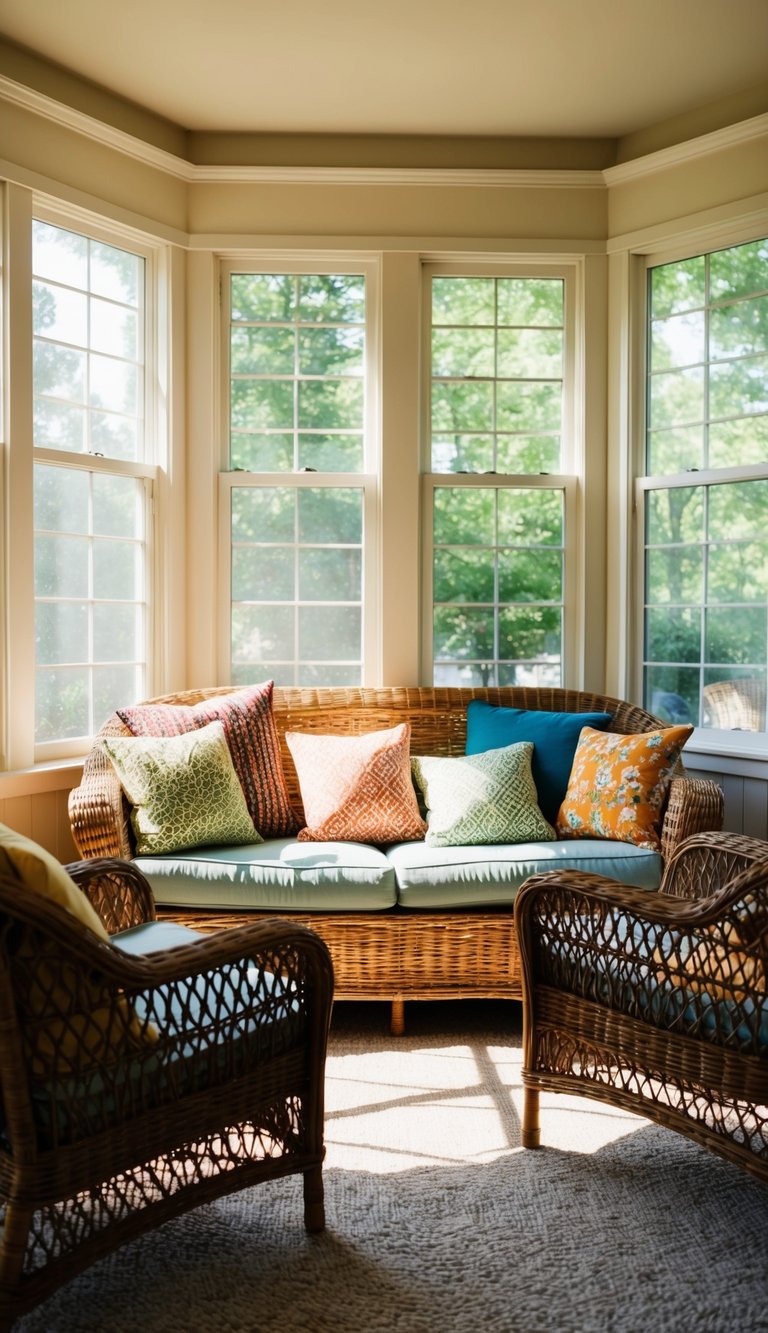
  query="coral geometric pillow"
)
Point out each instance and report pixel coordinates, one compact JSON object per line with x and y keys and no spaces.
{"x":618,"y":784}
{"x":357,"y":788}
{"x":253,"y":743}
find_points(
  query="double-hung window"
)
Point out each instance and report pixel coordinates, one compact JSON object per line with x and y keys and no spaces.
{"x":498,"y":504}
{"x":298,"y":500}
{"x":704,"y":496}
{"x":91,"y":483}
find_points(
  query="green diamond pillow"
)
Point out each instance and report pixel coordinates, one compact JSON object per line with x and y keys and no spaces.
{"x":481,"y":798}
{"x":184,"y":790}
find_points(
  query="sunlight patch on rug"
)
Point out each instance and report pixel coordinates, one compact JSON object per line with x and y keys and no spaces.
{"x":411,"y":1103}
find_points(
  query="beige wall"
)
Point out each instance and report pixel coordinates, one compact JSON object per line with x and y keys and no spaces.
{"x":156,"y":182}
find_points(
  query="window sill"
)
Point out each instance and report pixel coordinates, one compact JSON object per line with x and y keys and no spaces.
{"x":57,"y":775}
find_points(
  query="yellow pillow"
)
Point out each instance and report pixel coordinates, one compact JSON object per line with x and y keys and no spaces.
{"x":66,"y":1037}
{"x":618,"y":784}
{"x":38,"y":870}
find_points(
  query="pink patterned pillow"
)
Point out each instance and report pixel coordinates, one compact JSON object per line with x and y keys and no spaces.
{"x":357,"y":788}
{"x":251,"y":735}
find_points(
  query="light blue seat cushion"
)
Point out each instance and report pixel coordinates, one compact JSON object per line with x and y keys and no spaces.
{"x":262,"y":1019}
{"x":488,"y":876}
{"x":279,"y":875}
{"x":151,"y":936}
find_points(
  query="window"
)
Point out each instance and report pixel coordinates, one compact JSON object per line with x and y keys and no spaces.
{"x":298,"y":501}
{"x":706,"y":489}
{"x":91,"y":481}
{"x":498,"y":410}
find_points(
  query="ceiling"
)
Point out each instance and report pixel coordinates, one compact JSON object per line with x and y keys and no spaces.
{"x":575,"y":68}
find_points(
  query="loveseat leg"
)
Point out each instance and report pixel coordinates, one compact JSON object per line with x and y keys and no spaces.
{"x":397,"y":1019}
{"x":531,"y":1133}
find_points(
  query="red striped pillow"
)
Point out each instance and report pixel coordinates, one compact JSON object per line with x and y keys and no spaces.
{"x":252,"y":738}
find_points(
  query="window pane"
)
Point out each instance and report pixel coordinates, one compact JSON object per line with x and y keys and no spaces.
{"x":537,"y":302}
{"x":87,"y":295}
{"x":61,"y":704}
{"x":673,"y":634}
{"x":462,"y":407}
{"x":90,"y":596}
{"x":332,"y":298}
{"x":263,"y":296}
{"x":297,"y":579}
{"x":261,"y":452}
{"x":464,"y":517}
{"x":463,"y":352}
{"x":530,"y":352}
{"x":262,"y":351}
{"x":463,"y":300}
{"x":529,"y":407}
{"x":678,"y":341}
{"x":497,"y":560}
{"x":676,"y":287}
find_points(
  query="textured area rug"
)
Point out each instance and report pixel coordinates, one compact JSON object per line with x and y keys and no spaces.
{"x":439,"y":1222}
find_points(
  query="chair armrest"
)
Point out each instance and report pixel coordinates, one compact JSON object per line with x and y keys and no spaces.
{"x":693,"y":805}
{"x":263,"y":981}
{"x":698,"y":966}
{"x":703,"y":863}
{"x":117,"y":889}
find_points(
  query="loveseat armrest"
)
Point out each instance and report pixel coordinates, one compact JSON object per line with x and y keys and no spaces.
{"x":121,"y":895}
{"x":98,"y":815}
{"x":693,"y":806}
{"x":703,"y":863}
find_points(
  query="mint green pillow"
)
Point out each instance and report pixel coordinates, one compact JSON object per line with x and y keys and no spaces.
{"x":184,"y":790}
{"x":479,"y":798}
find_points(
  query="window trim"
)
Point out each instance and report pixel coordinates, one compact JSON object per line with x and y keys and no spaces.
{"x":23,"y":208}
{"x":572,"y":448}
{"x":367,"y":480}
{"x":704,"y":739}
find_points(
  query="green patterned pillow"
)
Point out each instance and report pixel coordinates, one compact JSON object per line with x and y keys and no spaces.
{"x":184,"y":790}
{"x":479,"y":798}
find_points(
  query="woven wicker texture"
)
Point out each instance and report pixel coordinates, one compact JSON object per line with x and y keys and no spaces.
{"x":421,"y":955}
{"x":658,"y":1003}
{"x":208,"y":1076}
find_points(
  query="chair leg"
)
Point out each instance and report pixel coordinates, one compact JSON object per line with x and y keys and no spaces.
{"x":531,"y":1135}
{"x":15,"y":1234}
{"x":314,"y":1208}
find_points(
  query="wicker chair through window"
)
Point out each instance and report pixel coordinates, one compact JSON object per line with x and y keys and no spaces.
{"x":655,"y":1002}
{"x":147,"y":1074}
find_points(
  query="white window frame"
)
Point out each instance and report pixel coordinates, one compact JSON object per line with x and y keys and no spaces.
{"x":706,"y":739}
{"x":23,"y":207}
{"x":367,"y":481}
{"x":572,"y":452}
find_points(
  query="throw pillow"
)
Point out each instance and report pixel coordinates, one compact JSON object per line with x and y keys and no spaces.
{"x":36,"y":869}
{"x":357,"y":788}
{"x":618,"y":784}
{"x":554,"y":735}
{"x":81,"y":1024}
{"x":488,"y":797}
{"x":184,"y":790}
{"x":252,"y":738}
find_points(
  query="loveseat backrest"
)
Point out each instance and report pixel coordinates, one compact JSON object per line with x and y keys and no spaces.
{"x":437,"y":716}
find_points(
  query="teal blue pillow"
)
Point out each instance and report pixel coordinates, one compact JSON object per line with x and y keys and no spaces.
{"x":554,"y":735}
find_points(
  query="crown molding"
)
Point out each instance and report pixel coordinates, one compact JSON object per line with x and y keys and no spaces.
{"x":703,"y":146}
{"x":60,"y":114}
{"x":474,"y":178}
{"x":178,"y":167}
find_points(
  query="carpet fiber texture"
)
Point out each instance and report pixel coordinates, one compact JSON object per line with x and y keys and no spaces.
{"x":437,"y":1221}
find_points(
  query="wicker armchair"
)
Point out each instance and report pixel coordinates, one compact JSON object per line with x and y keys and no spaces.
{"x":657,"y":1003}
{"x":139,"y":1080}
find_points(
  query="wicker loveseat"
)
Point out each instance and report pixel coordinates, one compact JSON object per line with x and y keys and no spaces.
{"x":403,"y":922}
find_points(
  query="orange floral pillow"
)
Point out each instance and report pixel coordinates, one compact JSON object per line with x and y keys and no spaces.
{"x":618,"y":784}
{"x":357,"y":788}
